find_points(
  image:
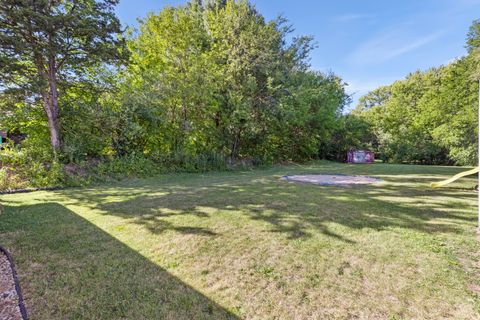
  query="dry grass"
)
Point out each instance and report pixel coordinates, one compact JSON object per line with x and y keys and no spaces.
{"x":247,"y":245}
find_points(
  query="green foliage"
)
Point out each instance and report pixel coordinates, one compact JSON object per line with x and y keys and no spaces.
{"x":310,"y":115}
{"x":29,"y":167}
{"x":41,"y":175}
{"x":473,"y":47}
{"x":205,"y":83}
{"x":210,"y":85}
{"x":130,"y":165}
{"x":4,"y":179}
{"x":48,"y":47}
{"x":90,"y":117}
{"x":351,"y":132}
{"x":135,"y":165}
{"x":219,"y":79}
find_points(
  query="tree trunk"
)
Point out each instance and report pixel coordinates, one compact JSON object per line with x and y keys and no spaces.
{"x":50,"y":105}
{"x":51,"y":109}
{"x":236,"y":143}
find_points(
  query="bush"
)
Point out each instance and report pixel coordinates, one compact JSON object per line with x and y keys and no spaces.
{"x":140,"y":165}
{"x":127,"y":166}
{"x":34,"y":166}
{"x":29,"y":166}
{"x":43,"y":175}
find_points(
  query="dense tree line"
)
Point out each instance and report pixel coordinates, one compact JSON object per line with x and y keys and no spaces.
{"x":219,"y":78}
{"x":209,"y":79}
{"x":201,"y":85}
{"x":429,"y":117}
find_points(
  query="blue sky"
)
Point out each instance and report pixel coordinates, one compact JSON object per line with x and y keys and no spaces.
{"x":366,"y":42}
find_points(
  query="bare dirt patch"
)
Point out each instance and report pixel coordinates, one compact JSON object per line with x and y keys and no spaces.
{"x":331,"y":179}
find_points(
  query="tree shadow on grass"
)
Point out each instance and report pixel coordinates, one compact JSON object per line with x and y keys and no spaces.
{"x":69,"y":268}
{"x":296,"y":210}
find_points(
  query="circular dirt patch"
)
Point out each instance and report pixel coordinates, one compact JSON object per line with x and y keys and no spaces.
{"x":331,"y":179}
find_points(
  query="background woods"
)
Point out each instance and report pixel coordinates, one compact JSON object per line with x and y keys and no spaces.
{"x":203,"y":86}
{"x":431,"y":116}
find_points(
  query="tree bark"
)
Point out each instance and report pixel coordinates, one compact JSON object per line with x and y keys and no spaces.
{"x":51,"y":110}
{"x":236,"y":143}
{"x":50,"y":105}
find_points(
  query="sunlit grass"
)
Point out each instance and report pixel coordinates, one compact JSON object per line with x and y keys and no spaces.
{"x":248,"y":245}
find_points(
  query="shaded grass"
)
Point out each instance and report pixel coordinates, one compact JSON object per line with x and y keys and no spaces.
{"x":247,"y":245}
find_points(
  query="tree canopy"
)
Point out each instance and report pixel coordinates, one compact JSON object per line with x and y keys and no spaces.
{"x":219,"y":78}
{"x":46,"y":47}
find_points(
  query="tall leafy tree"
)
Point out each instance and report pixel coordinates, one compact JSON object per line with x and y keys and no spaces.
{"x":47,"y":45}
{"x":430,"y":116}
{"x":213,"y":75}
{"x":309,"y":115}
{"x":473,"y":46}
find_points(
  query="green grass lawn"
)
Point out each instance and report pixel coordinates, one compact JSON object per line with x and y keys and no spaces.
{"x":248,"y":245}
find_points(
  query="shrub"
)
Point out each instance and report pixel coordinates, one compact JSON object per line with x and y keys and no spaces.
{"x":127,"y":166}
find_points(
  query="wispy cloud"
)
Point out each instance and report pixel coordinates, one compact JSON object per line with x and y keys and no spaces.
{"x":389,"y":45}
{"x":365,"y":86}
{"x":359,"y":87}
{"x":348,"y":17}
{"x":467,"y":2}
